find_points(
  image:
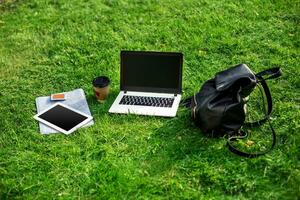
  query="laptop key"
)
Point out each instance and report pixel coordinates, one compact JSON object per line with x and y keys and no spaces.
{"x":146,"y":101}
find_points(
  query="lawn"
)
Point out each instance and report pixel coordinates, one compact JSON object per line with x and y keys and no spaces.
{"x":60,"y":45}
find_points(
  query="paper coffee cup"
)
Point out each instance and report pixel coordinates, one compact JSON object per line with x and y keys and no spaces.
{"x":101,"y":88}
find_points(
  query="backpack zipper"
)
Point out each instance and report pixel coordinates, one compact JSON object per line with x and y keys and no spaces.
{"x":194,"y":109}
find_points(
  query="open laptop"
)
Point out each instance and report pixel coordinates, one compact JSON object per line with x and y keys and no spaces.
{"x":151,"y":83}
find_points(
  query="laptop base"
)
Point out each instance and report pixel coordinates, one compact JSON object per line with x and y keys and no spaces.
{"x":146,"y":110}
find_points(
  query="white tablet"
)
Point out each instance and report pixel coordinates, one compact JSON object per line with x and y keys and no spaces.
{"x":63,"y":118}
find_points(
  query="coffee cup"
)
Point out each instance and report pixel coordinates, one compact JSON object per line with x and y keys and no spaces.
{"x":101,"y":88}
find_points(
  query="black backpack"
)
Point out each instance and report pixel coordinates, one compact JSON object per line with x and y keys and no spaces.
{"x":219,"y":108}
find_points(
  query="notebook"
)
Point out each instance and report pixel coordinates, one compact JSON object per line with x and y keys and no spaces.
{"x":74,"y":99}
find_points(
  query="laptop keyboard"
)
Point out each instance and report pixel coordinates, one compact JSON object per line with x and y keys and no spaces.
{"x":147,"y":101}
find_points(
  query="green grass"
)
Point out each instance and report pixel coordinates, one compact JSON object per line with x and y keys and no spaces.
{"x":59,"y":45}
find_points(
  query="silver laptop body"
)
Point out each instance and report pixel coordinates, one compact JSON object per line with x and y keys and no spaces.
{"x":151,"y":83}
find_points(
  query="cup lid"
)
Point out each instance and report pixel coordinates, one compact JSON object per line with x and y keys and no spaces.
{"x":101,"y":81}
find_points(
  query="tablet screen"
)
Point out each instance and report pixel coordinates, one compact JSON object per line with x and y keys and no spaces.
{"x":62,"y":117}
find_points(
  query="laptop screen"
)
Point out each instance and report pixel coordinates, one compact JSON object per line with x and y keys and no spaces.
{"x":151,"y":71}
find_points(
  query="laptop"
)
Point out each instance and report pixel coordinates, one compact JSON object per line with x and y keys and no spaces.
{"x":150,"y":83}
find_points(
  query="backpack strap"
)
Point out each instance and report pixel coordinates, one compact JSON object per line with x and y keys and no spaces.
{"x":272,"y":73}
{"x":250,"y":155}
{"x":265,"y":91}
{"x":186,"y":103}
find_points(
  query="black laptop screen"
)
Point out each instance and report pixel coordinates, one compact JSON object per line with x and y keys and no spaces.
{"x":151,"y":71}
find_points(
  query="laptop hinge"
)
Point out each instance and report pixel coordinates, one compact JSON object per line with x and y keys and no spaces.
{"x":125,"y":91}
{"x":175,"y":95}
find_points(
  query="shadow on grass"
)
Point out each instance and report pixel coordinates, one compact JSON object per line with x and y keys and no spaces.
{"x":178,"y":139}
{"x":179,"y":147}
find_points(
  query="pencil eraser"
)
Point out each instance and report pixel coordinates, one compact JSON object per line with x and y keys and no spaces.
{"x":58,"y":97}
